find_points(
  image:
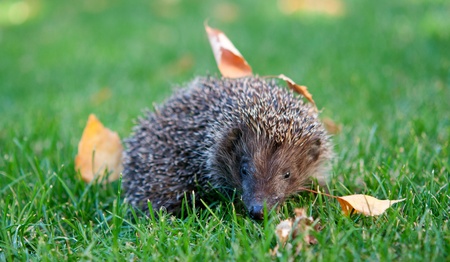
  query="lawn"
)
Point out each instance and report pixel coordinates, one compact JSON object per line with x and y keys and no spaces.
{"x":380,"y":69}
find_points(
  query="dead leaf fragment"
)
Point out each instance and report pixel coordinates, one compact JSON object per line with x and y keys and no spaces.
{"x":229,"y":60}
{"x":303,"y":90}
{"x":331,"y":126}
{"x":101,"y":96}
{"x":364,"y":204}
{"x":326,"y":7}
{"x":226,"y":12}
{"x":289,"y":229}
{"x":283,"y":230}
{"x":304,"y":225}
{"x":99,"y":150}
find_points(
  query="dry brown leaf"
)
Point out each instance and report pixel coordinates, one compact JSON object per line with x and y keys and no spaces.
{"x":283,"y":230}
{"x":304,"y":226}
{"x":101,"y":96}
{"x":229,"y":61}
{"x":365,"y":204}
{"x":290,"y":229}
{"x":182,"y":65}
{"x":327,"y":7}
{"x":331,"y":126}
{"x":303,"y":90}
{"x":226,"y":12}
{"x":100,"y":149}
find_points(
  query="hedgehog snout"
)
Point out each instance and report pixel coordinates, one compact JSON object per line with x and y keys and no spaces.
{"x":256,"y":211}
{"x":257,"y":205}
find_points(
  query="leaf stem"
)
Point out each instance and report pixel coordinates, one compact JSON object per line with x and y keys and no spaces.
{"x":316,"y":192}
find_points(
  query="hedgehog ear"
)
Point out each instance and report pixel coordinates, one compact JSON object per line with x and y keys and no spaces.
{"x":225,"y":155}
{"x":229,"y":141}
{"x":314,"y":150}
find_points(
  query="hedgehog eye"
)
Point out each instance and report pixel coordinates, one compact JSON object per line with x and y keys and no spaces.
{"x":244,"y":170}
{"x":287,"y":175}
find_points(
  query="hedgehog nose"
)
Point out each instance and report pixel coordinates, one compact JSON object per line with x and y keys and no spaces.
{"x":257,"y":212}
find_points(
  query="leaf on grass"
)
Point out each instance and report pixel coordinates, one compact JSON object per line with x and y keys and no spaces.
{"x":325,"y":7}
{"x":288,"y":230}
{"x":303,"y":90}
{"x":365,"y":204}
{"x":99,"y":150}
{"x":331,"y":126}
{"x":229,"y":61}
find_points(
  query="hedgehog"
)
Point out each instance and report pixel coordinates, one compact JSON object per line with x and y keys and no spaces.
{"x":246,"y":136}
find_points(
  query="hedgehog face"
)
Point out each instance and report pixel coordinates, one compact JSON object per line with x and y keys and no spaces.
{"x":266,"y":172}
{"x":272,"y":172}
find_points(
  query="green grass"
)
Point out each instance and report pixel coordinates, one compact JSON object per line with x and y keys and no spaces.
{"x":381,"y":70}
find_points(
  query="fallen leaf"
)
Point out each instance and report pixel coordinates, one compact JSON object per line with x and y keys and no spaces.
{"x":331,"y":126}
{"x":364,"y":204}
{"x":229,"y":60}
{"x":101,"y":96}
{"x":303,"y":90}
{"x":326,"y":7}
{"x":289,"y":229}
{"x":226,"y":12}
{"x":304,"y":225}
{"x":283,"y":230}
{"x":99,"y":150}
{"x":180,"y":66}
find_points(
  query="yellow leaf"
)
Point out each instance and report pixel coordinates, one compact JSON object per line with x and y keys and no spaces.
{"x":99,"y":150}
{"x":326,"y":7}
{"x":303,"y":90}
{"x":229,"y":60}
{"x":365,"y":204}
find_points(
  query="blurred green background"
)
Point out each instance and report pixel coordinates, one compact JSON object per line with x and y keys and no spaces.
{"x":379,"y":69}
